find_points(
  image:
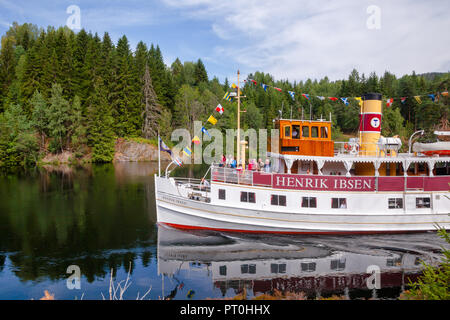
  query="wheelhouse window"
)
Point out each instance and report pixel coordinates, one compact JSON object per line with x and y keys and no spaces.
{"x":339,"y":203}
{"x":295,"y":132}
{"x":314,"y":132}
{"x":395,"y":203}
{"x":305,"y":131}
{"x":287,"y":131}
{"x":324,"y":132}
{"x":277,"y":200}
{"x":423,"y":203}
{"x":309,"y":202}
{"x":248,"y":197}
{"x":222,"y":194}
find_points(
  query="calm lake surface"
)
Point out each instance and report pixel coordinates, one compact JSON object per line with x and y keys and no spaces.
{"x":103,"y":218}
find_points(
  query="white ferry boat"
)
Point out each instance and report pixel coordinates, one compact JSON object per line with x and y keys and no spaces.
{"x":318,"y":186}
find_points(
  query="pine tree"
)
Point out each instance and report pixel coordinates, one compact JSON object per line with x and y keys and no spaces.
{"x":100,"y":126}
{"x":152,"y":110}
{"x":58,"y":119}
{"x":77,"y":129}
{"x":40,"y":116}
{"x":200,"y":73}
{"x":7,"y":66}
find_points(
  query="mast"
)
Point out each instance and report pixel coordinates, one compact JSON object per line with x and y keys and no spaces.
{"x":238,"y":158}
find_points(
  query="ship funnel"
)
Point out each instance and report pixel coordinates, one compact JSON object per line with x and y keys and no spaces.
{"x":370,"y":124}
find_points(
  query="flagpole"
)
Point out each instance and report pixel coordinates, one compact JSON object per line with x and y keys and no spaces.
{"x":159,"y":155}
{"x":238,"y":122}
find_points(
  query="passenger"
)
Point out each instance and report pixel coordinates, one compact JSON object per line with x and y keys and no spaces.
{"x":229,"y":161}
{"x":267,"y":166}
{"x":250,"y":165}
{"x":260,"y":165}
{"x":223,"y":162}
{"x":233,"y":163}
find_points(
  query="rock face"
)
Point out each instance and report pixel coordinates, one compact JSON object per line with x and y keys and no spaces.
{"x":127,"y":150}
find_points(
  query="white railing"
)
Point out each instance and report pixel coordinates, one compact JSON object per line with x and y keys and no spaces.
{"x":231,"y":175}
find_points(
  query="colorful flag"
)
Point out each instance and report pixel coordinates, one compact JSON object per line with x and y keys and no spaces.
{"x":205,"y":132}
{"x":278,"y":89}
{"x":359,"y":99}
{"x":254,"y":82}
{"x":389,"y":102}
{"x":164,"y":147}
{"x":320,"y":97}
{"x":228,"y":97}
{"x":264,"y":86}
{"x":432,"y":97}
{"x":333,"y":98}
{"x":187,"y":151}
{"x":305,"y":95}
{"x":178,"y":161}
{"x":292,"y":94}
{"x":219,"y":108}
{"x":196,"y":140}
{"x":419,"y":101}
{"x":345,"y":101}
{"x":403,"y":100}
{"x":445,"y":93}
{"x":212,"y":120}
{"x":234,"y":86}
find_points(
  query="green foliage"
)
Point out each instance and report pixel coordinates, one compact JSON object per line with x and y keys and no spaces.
{"x":100,"y":134}
{"x":434,"y":284}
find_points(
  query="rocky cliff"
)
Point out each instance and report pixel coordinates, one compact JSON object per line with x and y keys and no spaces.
{"x":128,"y":150}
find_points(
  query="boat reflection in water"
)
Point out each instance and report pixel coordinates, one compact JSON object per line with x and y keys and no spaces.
{"x":352,"y":266}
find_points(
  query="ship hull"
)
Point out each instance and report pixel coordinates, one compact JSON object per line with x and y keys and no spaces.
{"x":176,"y":210}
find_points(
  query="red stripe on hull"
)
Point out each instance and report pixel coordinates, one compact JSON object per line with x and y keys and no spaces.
{"x":186,"y":227}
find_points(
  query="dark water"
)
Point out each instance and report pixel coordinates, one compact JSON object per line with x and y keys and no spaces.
{"x":102,"y":218}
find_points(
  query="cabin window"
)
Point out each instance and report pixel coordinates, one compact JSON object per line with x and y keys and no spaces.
{"x":423,"y":203}
{"x":222,"y":194}
{"x":339,"y":203}
{"x":324,"y":132}
{"x":308,"y":266}
{"x":337,"y":264}
{"x":314,"y":132}
{"x":309,"y":202}
{"x":248,"y":197}
{"x":248,"y":268}
{"x":278,"y":200}
{"x":395,"y":203}
{"x":305,"y":131}
{"x":287,"y":131}
{"x":295,"y":132}
{"x":278,"y":267}
{"x":223,"y":270}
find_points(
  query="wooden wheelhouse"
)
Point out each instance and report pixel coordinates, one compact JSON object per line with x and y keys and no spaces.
{"x":305,"y":137}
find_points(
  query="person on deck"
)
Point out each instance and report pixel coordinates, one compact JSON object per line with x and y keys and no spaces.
{"x":267,"y":166}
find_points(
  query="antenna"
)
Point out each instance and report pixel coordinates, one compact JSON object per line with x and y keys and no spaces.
{"x":310,"y":112}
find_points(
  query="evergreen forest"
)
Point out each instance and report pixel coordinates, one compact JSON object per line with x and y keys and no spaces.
{"x":79,"y":92}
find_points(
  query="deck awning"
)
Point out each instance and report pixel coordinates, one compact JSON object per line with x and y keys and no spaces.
{"x":347,"y":160}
